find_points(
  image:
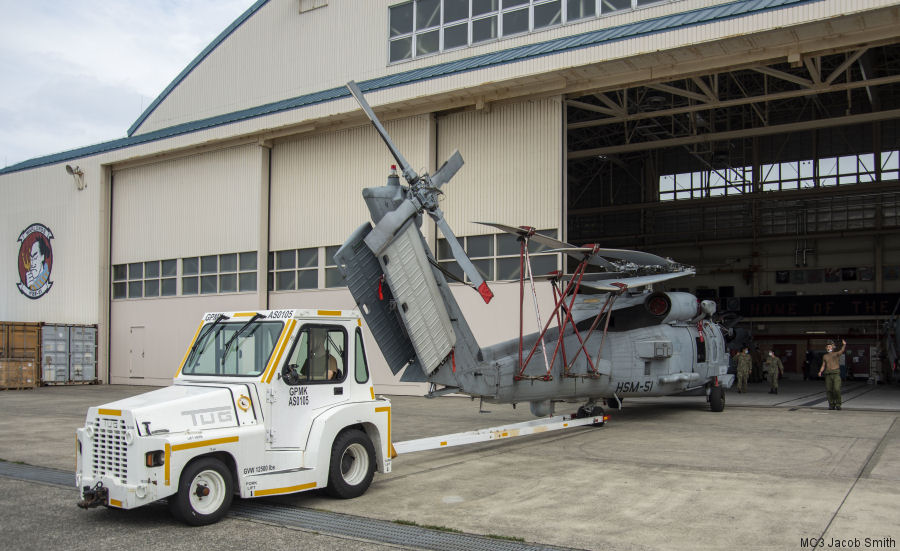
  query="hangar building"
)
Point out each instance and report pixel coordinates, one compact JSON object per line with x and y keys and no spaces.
{"x":754,"y":139}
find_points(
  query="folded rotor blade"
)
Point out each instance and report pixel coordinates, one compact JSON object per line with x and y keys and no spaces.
{"x":461,"y":258}
{"x":637,"y":257}
{"x":508,"y":229}
{"x":633,"y":282}
{"x":554,"y":244}
{"x":408,"y":171}
{"x":391,"y":223}
{"x":450,"y":167}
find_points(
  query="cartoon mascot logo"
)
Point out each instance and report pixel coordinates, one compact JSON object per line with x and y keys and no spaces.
{"x":35,"y":261}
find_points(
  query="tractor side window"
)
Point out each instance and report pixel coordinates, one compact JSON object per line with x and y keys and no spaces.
{"x":362,"y":370}
{"x":319,"y":355}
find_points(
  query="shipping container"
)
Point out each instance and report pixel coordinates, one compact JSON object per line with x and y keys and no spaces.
{"x":20,"y":341}
{"x":18,"y":374}
{"x":69,"y":354}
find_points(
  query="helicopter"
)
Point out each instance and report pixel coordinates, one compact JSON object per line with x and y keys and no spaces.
{"x":608,"y":337}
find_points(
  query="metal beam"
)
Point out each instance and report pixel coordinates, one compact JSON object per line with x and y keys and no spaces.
{"x":845,"y":65}
{"x":735,"y":102}
{"x":812,"y":65}
{"x":805,"y":82}
{"x":705,"y":88}
{"x":734,"y":134}
{"x":680,"y":92}
{"x":610,"y":103}
{"x":592,"y":107}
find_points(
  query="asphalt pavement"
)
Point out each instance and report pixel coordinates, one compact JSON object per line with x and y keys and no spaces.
{"x":770,"y":472}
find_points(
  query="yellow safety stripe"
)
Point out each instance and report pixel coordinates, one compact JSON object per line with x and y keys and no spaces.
{"x":166,"y":461}
{"x":114,"y":412}
{"x":244,"y":315}
{"x":329,"y":312}
{"x":115,"y":502}
{"x":202,"y":443}
{"x":276,"y":359}
{"x":188,"y":351}
{"x":372,"y":391}
{"x":287,"y":490}
{"x":391,"y":450}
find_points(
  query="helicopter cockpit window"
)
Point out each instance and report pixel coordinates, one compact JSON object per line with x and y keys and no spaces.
{"x":319,"y":356}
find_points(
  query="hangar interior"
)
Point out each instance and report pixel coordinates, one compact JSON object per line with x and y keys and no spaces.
{"x":773,"y":180}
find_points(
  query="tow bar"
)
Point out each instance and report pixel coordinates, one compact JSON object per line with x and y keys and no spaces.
{"x":94,"y":497}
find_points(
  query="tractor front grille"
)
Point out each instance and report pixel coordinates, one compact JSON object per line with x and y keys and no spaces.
{"x":110,"y":457}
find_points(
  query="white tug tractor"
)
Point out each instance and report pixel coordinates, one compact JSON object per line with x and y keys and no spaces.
{"x":264,"y":403}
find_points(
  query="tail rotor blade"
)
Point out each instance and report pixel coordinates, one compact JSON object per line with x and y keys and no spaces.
{"x":408,"y":171}
{"x":461,"y":258}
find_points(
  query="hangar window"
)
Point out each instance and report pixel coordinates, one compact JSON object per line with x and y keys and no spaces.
{"x":782,"y":176}
{"x":422,"y":27}
{"x":496,"y":256}
{"x":156,"y":278}
{"x":294,"y":269}
{"x":223,"y":273}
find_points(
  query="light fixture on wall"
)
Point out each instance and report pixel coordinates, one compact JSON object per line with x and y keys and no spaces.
{"x":78,"y":174}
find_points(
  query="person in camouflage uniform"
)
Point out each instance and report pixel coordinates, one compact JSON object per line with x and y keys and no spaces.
{"x":744,"y":364}
{"x":831,"y":366}
{"x":774,"y":367}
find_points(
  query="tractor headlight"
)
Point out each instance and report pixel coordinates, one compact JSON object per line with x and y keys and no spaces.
{"x":155,"y":458}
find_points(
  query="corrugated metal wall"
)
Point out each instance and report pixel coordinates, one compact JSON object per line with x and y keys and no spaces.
{"x":202,"y":204}
{"x":513,"y":170}
{"x":317,"y":182}
{"x":49,"y":196}
{"x":280,"y":53}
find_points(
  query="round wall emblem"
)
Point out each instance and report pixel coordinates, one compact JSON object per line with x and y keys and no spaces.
{"x":35,"y":261}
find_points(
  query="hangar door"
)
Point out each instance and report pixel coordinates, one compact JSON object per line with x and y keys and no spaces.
{"x":184,"y":236}
{"x":316,"y":203}
{"x":512,"y":175}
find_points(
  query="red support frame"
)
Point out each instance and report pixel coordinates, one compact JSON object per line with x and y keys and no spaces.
{"x":559,"y":297}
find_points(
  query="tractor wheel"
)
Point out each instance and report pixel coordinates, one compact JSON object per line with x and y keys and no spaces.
{"x":352,"y":465}
{"x":204,"y":492}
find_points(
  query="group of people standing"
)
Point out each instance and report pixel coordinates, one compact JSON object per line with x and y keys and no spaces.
{"x":831,"y":370}
{"x":772,"y":367}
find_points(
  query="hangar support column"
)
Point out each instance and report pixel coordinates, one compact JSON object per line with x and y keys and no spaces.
{"x":103,"y":295}
{"x":262,"y":249}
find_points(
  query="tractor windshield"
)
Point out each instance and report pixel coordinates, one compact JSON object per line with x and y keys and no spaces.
{"x":233,"y":349}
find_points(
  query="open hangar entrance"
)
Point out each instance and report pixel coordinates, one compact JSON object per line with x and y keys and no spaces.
{"x":777,"y":181}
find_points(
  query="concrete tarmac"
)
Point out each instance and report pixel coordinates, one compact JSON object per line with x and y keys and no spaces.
{"x":770,"y":472}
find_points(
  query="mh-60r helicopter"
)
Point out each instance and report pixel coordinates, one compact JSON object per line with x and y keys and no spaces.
{"x":609,"y":336}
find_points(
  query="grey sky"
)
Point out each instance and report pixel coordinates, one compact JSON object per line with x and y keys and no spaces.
{"x":80,"y":72}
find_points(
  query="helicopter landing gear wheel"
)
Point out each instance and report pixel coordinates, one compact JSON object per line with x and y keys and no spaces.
{"x":717,"y":398}
{"x":591,"y":410}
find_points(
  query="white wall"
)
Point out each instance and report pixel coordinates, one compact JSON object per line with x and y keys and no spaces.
{"x":317,"y":181}
{"x":512,"y":173}
{"x":200,"y":204}
{"x":48,"y":195}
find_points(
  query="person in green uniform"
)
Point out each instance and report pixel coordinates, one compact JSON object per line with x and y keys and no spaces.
{"x":831,"y":366}
{"x":744,"y":364}
{"x":774,"y":368}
